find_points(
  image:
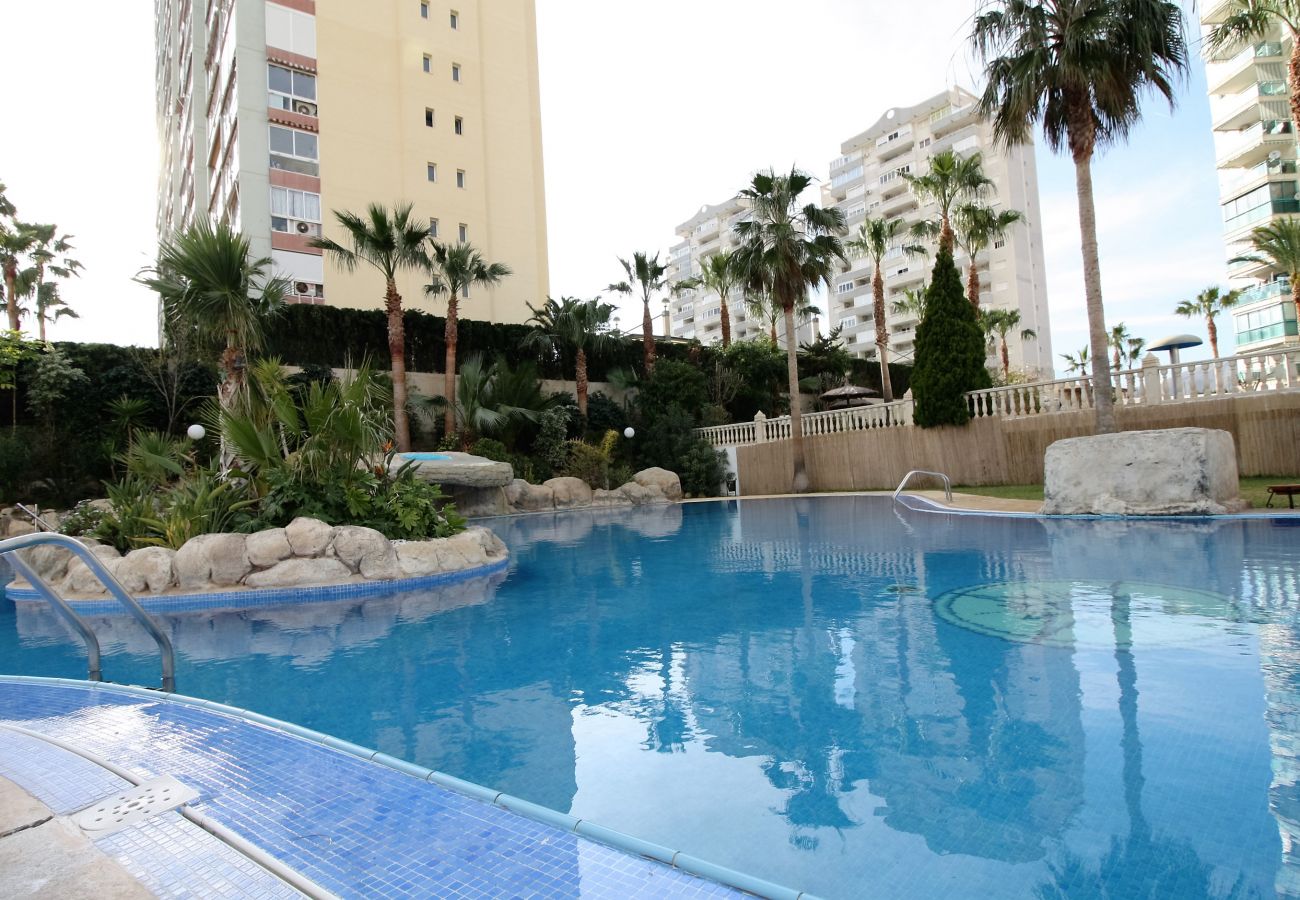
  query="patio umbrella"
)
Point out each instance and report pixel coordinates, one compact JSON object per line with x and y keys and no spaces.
{"x":1175,"y":343}
{"x":847,"y":394}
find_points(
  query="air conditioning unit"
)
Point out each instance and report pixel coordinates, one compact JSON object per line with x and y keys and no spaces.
{"x":303,"y":228}
{"x":302,"y":287}
{"x":304,"y":108}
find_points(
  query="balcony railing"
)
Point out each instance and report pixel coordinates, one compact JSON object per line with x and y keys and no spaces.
{"x":1253,"y":216}
{"x":1264,"y":292}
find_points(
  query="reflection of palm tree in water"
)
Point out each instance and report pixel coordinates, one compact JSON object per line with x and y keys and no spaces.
{"x":1139,"y":865}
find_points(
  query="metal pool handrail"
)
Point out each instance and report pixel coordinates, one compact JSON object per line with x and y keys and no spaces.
{"x":947,"y":485}
{"x":41,"y":524}
{"x":8,"y":550}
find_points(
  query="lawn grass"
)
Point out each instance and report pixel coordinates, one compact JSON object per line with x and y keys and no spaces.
{"x":1252,"y":489}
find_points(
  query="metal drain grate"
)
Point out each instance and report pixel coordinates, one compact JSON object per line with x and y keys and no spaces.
{"x":125,"y":808}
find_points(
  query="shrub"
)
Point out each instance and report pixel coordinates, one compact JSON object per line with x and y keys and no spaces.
{"x":588,"y":463}
{"x":84,"y":519}
{"x":553,"y":431}
{"x":950,"y":351}
{"x":674,"y":383}
{"x":490,"y":448}
{"x":603,"y":415}
{"x":670,"y":443}
{"x":702,"y":469}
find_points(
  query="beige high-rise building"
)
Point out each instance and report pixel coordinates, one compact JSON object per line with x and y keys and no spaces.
{"x":696,"y":313}
{"x":274,"y":113}
{"x":867,"y":180}
{"x":1255,"y":150}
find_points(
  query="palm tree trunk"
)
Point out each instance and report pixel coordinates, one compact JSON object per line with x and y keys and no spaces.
{"x":946,"y":236}
{"x":726,"y":323}
{"x":1104,"y":402}
{"x":647,"y":336}
{"x":450,"y":336}
{"x":228,"y":391}
{"x":397,"y":361}
{"x":1293,"y":67}
{"x":882,"y":334}
{"x":1213,"y":333}
{"x":1006,"y":360}
{"x":772,"y":331}
{"x":973,"y":283}
{"x":580,"y":377}
{"x":11,"y":298}
{"x":799,"y":479}
{"x":40,"y":310}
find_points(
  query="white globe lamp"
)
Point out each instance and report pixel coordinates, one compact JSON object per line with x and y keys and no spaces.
{"x":196,"y":432}
{"x":629,"y":432}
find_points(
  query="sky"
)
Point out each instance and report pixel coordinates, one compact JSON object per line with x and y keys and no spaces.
{"x":649,"y":111}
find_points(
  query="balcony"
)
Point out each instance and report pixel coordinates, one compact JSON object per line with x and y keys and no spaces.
{"x":1251,"y":146}
{"x":1262,"y":292}
{"x":895,"y":145}
{"x":1259,"y":214}
{"x":963,"y":115}
{"x":1235,"y":182}
{"x":1264,"y":101}
{"x":1236,"y":73}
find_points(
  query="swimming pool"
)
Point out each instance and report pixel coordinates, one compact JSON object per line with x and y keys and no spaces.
{"x":425,"y":457}
{"x":828,"y":693}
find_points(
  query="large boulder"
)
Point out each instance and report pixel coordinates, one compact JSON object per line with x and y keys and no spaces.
{"x":527,"y":497}
{"x":300,"y":572}
{"x":666,"y":481}
{"x":80,"y":580}
{"x":609,"y":498}
{"x":353,"y":543}
{"x":492,"y":545}
{"x":266,"y":548}
{"x":418,"y":558}
{"x":308,"y":537}
{"x":461,"y":469}
{"x":568,"y":492}
{"x":209,"y":560}
{"x":50,"y":561}
{"x":1175,"y":471}
{"x":640,"y":495}
{"x":150,"y":568}
{"x":381,"y":565}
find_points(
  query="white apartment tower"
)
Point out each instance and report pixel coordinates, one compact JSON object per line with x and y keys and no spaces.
{"x":866,"y":180}
{"x":696,"y":314}
{"x":1255,"y":151}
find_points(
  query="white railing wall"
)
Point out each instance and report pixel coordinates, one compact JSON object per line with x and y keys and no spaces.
{"x":1246,"y":374}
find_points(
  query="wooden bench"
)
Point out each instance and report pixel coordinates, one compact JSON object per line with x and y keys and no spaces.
{"x":1283,"y":490}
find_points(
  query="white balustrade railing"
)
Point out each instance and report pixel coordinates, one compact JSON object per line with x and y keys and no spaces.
{"x":1245,"y":374}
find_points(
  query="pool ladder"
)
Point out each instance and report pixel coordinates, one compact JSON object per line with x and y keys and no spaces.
{"x":9,"y":550}
{"x":947,"y":485}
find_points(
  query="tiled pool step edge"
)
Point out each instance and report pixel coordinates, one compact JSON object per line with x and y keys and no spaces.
{"x":256,"y":597}
{"x":581,"y":827}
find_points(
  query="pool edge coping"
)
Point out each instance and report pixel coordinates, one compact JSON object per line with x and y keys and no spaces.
{"x":618,"y":840}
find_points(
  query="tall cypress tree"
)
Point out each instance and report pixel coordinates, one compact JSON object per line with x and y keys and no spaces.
{"x":950,"y":350}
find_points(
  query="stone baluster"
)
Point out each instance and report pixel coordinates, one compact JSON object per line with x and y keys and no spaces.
{"x":760,"y":428}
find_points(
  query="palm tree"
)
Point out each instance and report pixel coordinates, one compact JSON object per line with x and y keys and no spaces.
{"x":1252,"y":20}
{"x":1079,"y":68}
{"x":51,"y":253}
{"x":16,"y":240}
{"x":454,"y":269}
{"x":951,"y":179}
{"x":1277,"y":245}
{"x":213,"y":288}
{"x":717,"y":274}
{"x":874,"y":239}
{"x":389,"y":242}
{"x":480,"y":410}
{"x":646,"y":273}
{"x":1119,"y":337}
{"x":1135,"y":347}
{"x":978,"y":227}
{"x":1077,"y":363}
{"x":912,"y":302}
{"x":51,"y":306}
{"x":784,"y":250}
{"x":1001,"y":322}
{"x":572,"y":325}
{"x":1208,"y":304}
{"x":763,"y":307}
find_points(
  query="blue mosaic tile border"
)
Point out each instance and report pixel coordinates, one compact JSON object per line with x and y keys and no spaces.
{"x":248,"y":599}
{"x":483,"y":843}
{"x":925,"y":504}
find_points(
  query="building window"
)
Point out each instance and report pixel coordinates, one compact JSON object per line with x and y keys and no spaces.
{"x":290,"y":89}
{"x":428,"y":63}
{"x":460,"y":125}
{"x":295,"y":212}
{"x":455,"y":19}
{"x":428,"y":117}
{"x":455,"y":71}
{"x":424,"y":10}
{"x":433,"y":228}
{"x":999,"y":244}
{"x":464,"y":233}
{"x":464,"y":291}
{"x":460,"y":178}
{"x":431,"y":171}
{"x":294,"y":151}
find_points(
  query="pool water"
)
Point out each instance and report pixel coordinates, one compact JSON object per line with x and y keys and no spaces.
{"x":831,"y":693}
{"x":425,"y":457}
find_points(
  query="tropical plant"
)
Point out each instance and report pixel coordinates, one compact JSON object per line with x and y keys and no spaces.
{"x":1000,"y":323}
{"x":576,"y":326}
{"x":760,"y":367}
{"x":951,"y":179}
{"x":1208,"y":304}
{"x":646,"y":274}
{"x":912,"y":302}
{"x":950,"y":350}
{"x":875,"y":238}
{"x":50,"y":254}
{"x":1135,"y":348}
{"x":212,"y":287}
{"x":1253,"y":20}
{"x":784,"y":249}
{"x":978,"y":227}
{"x":481,"y":408}
{"x":16,"y":240}
{"x":390,"y":242}
{"x":718,"y":274}
{"x":1277,"y":245}
{"x":1079,"y":68}
{"x":54,"y":381}
{"x":1077,"y":363}
{"x":1119,"y":337}
{"x":453,"y":270}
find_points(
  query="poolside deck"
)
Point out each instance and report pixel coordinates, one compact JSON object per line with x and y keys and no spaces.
{"x":345,"y":824}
